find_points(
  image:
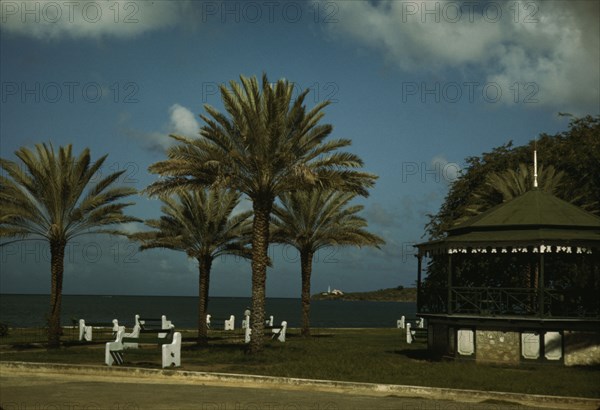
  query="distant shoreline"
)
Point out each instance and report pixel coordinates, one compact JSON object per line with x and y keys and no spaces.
{"x":399,"y":294}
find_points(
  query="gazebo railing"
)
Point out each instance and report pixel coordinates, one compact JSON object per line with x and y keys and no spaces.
{"x":489,"y":301}
{"x":506,"y":301}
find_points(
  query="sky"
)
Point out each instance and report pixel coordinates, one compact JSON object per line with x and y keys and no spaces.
{"x":417,"y":86}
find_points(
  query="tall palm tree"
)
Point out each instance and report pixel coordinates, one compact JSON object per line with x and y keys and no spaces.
{"x":315,"y":219}
{"x":200,"y":223}
{"x":267,"y":144}
{"x":45,"y":200}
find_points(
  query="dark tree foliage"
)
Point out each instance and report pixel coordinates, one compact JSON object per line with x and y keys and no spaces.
{"x":576,"y":153}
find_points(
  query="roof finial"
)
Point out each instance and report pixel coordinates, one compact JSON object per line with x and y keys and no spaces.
{"x":535,"y":182}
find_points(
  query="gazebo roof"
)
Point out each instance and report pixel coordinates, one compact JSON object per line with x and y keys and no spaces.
{"x":532,"y":219}
{"x":534,"y":209}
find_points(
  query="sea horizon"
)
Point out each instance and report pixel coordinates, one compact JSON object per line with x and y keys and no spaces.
{"x":30,"y":310}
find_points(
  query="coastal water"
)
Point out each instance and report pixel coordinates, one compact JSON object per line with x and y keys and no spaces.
{"x":31,"y":310}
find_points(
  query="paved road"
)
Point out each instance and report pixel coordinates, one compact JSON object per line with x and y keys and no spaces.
{"x":27,"y":391}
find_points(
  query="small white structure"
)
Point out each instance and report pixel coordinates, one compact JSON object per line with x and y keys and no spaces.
{"x":135,"y":333}
{"x":113,"y":352}
{"x":412,"y":331}
{"x":401,"y":324}
{"x":530,"y":345}
{"x":268,"y":322}
{"x":228,"y":324}
{"x":171,"y":352}
{"x":335,"y":292}
{"x":409,"y":334}
{"x":164,"y":323}
{"x":278,"y":332}
{"x":553,"y":345}
{"x":466,"y":342}
{"x":85,"y":331}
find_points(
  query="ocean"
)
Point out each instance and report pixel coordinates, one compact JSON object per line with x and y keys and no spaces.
{"x":31,"y":310}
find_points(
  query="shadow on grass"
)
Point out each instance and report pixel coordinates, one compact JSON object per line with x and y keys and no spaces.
{"x":26,"y":346}
{"x":231,"y":347}
{"x":418,"y":354}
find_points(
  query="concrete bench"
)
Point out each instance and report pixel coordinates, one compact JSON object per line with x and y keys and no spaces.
{"x":146,"y":324}
{"x":416,"y":334}
{"x":268,"y":322}
{"x":227,"y":324}
{"x":86,"y":329}
{"x":274,"y":331}
{"x":401,"y":324}
{"x":170,"y":346}
{"x":153,"y":322}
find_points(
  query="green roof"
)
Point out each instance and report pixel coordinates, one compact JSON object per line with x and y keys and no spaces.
{"x":533,"y":218}
{"x":534,"y":209}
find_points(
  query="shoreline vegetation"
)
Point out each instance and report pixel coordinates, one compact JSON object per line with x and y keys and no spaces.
{"x":398,"y":294}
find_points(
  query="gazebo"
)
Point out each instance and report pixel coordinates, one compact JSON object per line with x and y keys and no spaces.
{"x":517,"y":283}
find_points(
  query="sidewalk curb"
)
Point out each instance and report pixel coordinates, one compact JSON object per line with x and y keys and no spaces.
{"x":253,"y":381}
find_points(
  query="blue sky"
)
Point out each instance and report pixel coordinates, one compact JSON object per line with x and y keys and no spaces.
{"x":417,"y":86}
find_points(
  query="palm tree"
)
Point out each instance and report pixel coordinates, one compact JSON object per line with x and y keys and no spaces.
{"x":201,"y":224}
{"x":503,"y":186}
{"x":265,"y":146}
{"x":44,"y":200}
{"x":312,"y":220}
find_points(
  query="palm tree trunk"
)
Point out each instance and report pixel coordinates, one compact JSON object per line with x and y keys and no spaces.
{"x":260,"y":260}
{"x":204,"y":265}
{"x":57,"y":261}
{"x":207,"y":287}
{"x":306,"y":269}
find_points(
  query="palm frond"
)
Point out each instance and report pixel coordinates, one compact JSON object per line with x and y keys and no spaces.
{"x":45,"y":196}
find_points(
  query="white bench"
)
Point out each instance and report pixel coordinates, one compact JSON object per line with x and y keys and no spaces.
{"x":170,"y":347}
{"x":228,"y":324}
{"x":142,"y":325}
{"x":85,"y":329}
{"x":401,"y":324}
{"x":268,"y":322}
{"x":153,"y":323}
{"x":417,"y":334}
{"x":278,"y":332}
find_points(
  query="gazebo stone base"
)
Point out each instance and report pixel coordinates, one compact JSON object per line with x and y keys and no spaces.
{"x":510,"y":342}
{"x":582,"y":348}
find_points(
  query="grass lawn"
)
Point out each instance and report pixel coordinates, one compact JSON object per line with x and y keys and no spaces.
{"x":361,"y":355}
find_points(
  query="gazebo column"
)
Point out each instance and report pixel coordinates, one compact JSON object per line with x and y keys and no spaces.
{"x":449,"y":307}
{"x":419,"y":262}
{"x":541,"y":285}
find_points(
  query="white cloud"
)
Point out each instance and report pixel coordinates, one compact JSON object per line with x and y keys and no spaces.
{"x":554,"y":45}
{"x":52,"y":20}
{"x":130,"y":227}
{"x":183,"y":121}
{"x":445,"y":171}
